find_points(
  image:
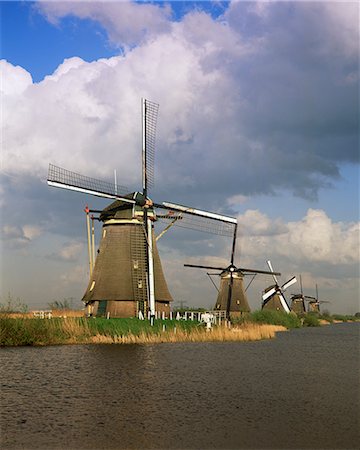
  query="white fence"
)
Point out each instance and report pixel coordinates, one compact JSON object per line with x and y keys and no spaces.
{"x":218,"y":316}
{"x":43,"y":314}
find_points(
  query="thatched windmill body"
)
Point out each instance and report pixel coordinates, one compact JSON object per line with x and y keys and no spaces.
{"x":273,"y":296}
{"x":298,"y":301}
{"x":314,"y":302}
{"x":232,"y":296}
{"x":127,"y":276}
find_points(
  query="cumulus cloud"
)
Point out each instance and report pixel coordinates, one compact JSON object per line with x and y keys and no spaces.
{"x":71,"y":251}
{"x":250,"y":110}
{"x":74,"y":277}
{"x":127,"y":23}
{"x":17,"y":236}
{"x":315,"y":238}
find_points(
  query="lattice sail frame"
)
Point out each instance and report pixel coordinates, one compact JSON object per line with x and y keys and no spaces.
{"x":150,"y":119}
{"x":194,"y":222}
{"x":139,"y":267}
{"x":63,"y":178}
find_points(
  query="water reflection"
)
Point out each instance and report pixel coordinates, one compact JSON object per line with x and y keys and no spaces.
{"x":298,"y":391}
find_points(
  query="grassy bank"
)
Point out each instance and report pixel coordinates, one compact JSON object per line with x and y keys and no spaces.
{"x":294,"y":321}
{"x":16,"y":330}
{"x":25,"y":331}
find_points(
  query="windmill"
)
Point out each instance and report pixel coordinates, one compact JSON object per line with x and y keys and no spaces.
{"x":232,"y":295}
{"x":127,"y":276}
{"x":314,"y":302}
{"x":273,"y":297}
{"x":298,"y":301}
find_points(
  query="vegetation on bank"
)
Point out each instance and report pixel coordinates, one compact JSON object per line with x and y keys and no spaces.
{"x":292,"y":320}
{"x":16,"y":330}
{"x":67,"y":326}
{"x":26,"y":331}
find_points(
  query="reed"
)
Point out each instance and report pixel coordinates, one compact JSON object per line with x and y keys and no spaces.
{"x":15,"y":332}
{"x":248,"y":332}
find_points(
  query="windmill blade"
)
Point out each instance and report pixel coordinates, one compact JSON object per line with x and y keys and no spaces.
{"x":248,"y":271}
{"x":289,"y":283}
{"x":197,"y":219}
{"x":269,"y":293}
{"x":205,"y":267}
{"x":65,"y":179}
{"x":149,"y":120}
{"x":272,"y":270}
{"x":284,"y":302}
{"x":209,"y":275}
{"x":252,"y":279}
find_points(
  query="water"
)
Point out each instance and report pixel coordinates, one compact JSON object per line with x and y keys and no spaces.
{"x":300,"y":390}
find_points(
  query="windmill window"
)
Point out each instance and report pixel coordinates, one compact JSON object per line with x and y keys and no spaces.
{"x":92,"y":286}
{"x":140,"y":285}
{"x":136,"y":264}
{"x":238,"y":302}
{"x":104,"y":233}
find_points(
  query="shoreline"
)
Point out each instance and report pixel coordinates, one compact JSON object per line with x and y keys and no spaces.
{"x":26,"y":331}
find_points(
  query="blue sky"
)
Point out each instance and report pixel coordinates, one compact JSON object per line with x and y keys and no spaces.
{"x":259,"y":117}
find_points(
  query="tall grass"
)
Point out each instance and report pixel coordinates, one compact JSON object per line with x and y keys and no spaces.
{"x":14,"y":332}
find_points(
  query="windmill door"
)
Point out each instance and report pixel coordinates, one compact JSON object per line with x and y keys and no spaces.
{"x":101,"y":311}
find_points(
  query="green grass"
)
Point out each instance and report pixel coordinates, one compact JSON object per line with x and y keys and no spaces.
{"x":24,"y":331}
{"x":344,"y":318}
{"x":274,"y":318}
{"x":311,"y":320}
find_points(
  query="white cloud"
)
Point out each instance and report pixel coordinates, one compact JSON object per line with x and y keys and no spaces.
{"x":313,"y":239}
{"x":71,"y":251}
{"x":31,"y":231}
{"x":16,"y":236}
{"x":126,"y":23}
{"x":255,"y":223}
{"x":219,"y":120}
{"x":14,"y":79}
{"x":236,"y":200}
{"x":74,"y":277}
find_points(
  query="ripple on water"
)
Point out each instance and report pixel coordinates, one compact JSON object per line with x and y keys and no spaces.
{"x":297,"y":391}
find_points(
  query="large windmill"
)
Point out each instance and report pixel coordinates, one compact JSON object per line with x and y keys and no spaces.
{"x":273,"y":297}
{"x":232,"y":295}
{"x":127,"y":275}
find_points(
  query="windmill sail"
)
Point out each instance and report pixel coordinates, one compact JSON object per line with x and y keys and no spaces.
{"x":149,"y":115}
{"x":273,"y":296}
{"x":196,"y":219}
{"x":66,"y":179}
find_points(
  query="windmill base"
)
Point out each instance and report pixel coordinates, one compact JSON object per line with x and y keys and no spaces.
{"x":122,"y":309}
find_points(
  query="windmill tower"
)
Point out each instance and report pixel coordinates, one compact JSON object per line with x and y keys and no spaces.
{"x":314,"y":302}
{"x":127,"y":275}
{"x":273,"y":297}
{"x":298,"y":301}
{"x":232,"y":295}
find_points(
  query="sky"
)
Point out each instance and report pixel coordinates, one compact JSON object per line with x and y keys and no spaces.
{"x":258,"y":119}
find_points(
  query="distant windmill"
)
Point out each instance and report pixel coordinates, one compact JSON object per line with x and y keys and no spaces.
{"x":298,"y":301}
{"x":273,"y":297}
{"x":232,"y":296}
{"x":127,"y":276}
{"x":314,"y":302}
